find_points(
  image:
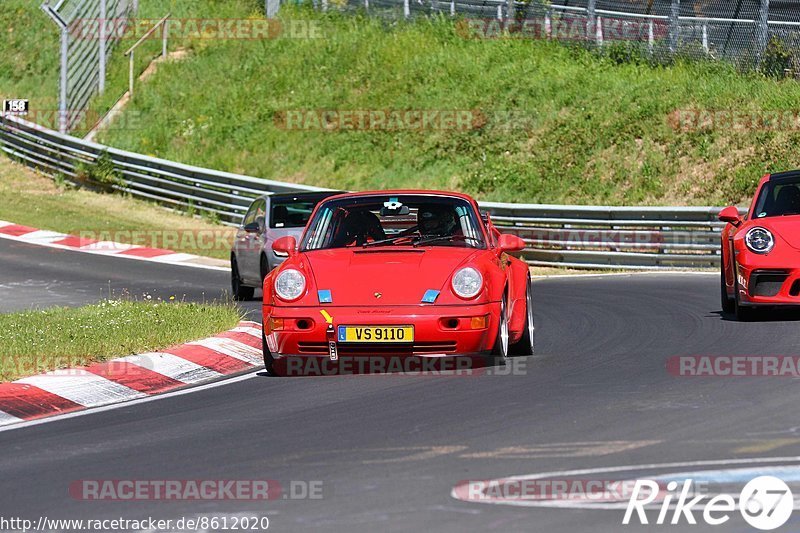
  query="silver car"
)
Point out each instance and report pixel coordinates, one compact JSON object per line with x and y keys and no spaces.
{"x":269,"y":217}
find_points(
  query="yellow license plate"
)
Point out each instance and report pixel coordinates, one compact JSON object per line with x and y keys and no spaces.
{"x":379,"y":334}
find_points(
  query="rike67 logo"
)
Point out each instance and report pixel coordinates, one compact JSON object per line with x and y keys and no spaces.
{"x":765,"y":503}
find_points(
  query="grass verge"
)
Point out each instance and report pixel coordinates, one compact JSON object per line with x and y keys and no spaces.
{"x":36,"y":341}
{"x":33,"y":200}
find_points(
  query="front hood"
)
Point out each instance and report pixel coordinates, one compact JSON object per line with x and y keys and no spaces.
{"x":786,"y":229}
{"x":401,"y":277}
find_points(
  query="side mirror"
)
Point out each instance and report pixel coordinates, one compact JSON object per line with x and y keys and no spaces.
{"x":252,"y":227}
{"x":285,"y":245}
{"x":730,"y":215}
{"x":510,"y":243}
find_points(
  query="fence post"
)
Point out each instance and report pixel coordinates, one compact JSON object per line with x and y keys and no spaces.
{"x":62,"y":99}
{"x":548,"y":24}
{"x":453,"y":8}
{"x":599,"y":32}
{"x":651,"y":36}
{"x":406,"y":9}
{"x":130,"y":74}
{"x":165,"y":39}
{"x":103,"y":38}
{"x":591,"y":7}
{"x":763,"y":28}
{"x":674,"y":25}
{"x":510,"y":9}
{"x":705,"y":38}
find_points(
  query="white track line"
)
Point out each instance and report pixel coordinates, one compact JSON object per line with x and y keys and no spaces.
{"x":621,"y":274}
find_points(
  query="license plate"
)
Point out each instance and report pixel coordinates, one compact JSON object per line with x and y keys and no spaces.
{"x":376,"y":334}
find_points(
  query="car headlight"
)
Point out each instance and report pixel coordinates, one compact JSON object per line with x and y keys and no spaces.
{"x":290,"y":284}
{"x":467,"y":282}
{"x":759,"y":240}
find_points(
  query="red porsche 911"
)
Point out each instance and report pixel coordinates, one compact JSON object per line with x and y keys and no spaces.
{"x":398,"y":274}
{"x":761,"y":251}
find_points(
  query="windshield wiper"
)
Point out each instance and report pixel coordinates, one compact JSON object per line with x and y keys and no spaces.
{"x":449,"y":238}
{"x":390,"y":240}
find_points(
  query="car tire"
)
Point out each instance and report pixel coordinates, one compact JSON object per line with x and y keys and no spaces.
{"x":264,"y":268}
{"x":269,"y":361}
{"x":240,"y":292}
{"x":744,"y":313}
{"x":525,"y":346}
{"x":500,"y":349}
{"x":728,"y":303}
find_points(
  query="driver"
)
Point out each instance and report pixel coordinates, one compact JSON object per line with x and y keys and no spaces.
{"x":357,"y":227}
{"x":436,"y":220}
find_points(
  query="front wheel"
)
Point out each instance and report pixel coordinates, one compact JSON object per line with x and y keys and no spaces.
{"x":728,"y":303}
{"x":240,"y":292}
{"x":500,"y":350}
{"x":525,"y":345}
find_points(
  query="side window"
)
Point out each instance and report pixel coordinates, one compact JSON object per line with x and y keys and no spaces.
{"x":257,"y":209}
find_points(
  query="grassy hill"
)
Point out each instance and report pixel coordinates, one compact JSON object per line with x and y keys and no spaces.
{"x":556,"y":123}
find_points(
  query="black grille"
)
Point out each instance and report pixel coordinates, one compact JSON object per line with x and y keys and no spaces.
{"x":767,"y":283}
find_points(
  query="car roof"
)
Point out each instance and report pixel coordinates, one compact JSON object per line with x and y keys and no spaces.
{"x":790,"y":175}
{"x":402,"y":192}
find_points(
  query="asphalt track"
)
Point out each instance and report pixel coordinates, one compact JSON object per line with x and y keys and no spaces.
{"x":388,"y":449}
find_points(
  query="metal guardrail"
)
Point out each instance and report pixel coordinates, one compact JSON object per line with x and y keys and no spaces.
{"x":573,"y":236}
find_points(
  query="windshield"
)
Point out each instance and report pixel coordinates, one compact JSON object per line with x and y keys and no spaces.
{"x":778,"y":198}
{"x":291,"y":213}
{"x":394,"y":221}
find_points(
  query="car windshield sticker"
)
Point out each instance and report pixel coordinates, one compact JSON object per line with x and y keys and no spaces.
{"x":393,"y":204}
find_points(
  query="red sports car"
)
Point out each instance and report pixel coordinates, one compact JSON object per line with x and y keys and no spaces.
{"x":397,"y":274}
{"x":761,"y":251}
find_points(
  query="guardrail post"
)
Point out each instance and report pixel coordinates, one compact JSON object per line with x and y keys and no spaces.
{"x":651,"y":37}
{"x":591,"y":8}
{"x":406,"y":9}
{"x":763,"y":28}
{"x":674,"y":25}
{"x":499,"y":11}
{"x":103,"y":38}
{"x":453,"y":8}
{"x":510,"y":9}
